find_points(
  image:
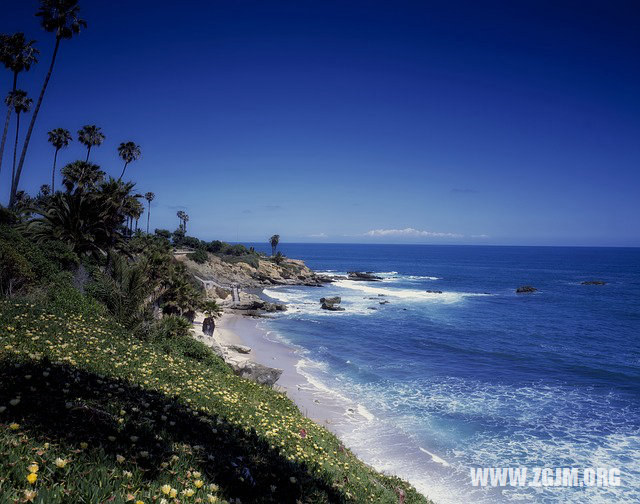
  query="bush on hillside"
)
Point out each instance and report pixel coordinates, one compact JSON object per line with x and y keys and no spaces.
{"x":200,"y":256}
{"x":24,"y":265}
{"x":163,"y":233}
{"x":250,"y":259}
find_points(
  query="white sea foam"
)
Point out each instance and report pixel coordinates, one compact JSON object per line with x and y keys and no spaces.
{"x":434,"y":457}
{"x":407,"y":294}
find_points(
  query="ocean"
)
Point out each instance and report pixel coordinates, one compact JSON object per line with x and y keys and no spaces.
{"x":477,"y":376}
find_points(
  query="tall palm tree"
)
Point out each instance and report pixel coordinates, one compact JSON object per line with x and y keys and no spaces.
{"x":149,"y":197}
{"x":82,"y":176}
{"x":90,"y":136}
{"x":181,"y":215}
{"x":62,"y":18}
{"x":274,"y":240}
{"x":17,"y":54}
{"x":185,"y":219}
{"x":20,"y":102}
{"x":59,"y":138}
{"x":128,"y":152}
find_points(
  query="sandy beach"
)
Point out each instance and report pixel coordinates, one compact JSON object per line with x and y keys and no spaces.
{"x":322,"y":406}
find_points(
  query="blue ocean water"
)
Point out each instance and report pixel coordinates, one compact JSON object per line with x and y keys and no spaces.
{"x":479,"y":376}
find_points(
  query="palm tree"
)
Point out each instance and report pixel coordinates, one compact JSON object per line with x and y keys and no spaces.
{"x":81,"y":175}
{"x":60,"y":139}
{"x":20,"y":102}
{"x":181,"y":216}
{"x":59,"y":17}
{"x":78,"y":219}
{"x":274,"y":240}
{"x":89,"y":136}
{"x":185,"y":219}
{"x":17,"y":54}
{"x":128,"y":152}
{"x":149,"y":197}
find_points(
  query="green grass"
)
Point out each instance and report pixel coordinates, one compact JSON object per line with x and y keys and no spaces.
{"x":125,"y":418}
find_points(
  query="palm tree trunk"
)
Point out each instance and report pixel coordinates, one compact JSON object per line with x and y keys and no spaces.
{"x":137,"y":224}
{"x":15,"y":149}
{"x":88,"y":152}
{"x":53,"y":173}
{"x":5,"y":132}
{"x":148,"y":216}
{"x":23,"y":155}
{"x":122,"y":174}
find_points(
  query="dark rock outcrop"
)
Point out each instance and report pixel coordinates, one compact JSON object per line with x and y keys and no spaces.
{"x":525,"y":289}
{"x":331,"y":303}
{"x":434,"y":292}
{"x":367,"y":276}
{"x":256,"y":372}
{"x":208,"y":325}
{"x":239,"y":348}
{"x":594,"y":282}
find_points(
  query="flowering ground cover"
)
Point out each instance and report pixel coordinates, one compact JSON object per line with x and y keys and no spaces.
{"x":91,"y":414}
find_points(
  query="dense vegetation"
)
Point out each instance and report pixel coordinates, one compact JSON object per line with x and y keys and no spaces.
{"x":104,"y":394}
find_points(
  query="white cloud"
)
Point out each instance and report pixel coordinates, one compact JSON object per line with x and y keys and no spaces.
{"x":409,"y":233}
{"x":319,"y":235}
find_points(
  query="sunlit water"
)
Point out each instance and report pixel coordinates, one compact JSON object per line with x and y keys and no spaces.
{"x":478,"y":376}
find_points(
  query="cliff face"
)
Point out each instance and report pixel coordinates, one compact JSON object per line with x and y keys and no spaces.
{"x":224,"y":274}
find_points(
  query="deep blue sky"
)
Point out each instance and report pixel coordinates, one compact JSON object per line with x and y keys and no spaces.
{"x":489,"y":122}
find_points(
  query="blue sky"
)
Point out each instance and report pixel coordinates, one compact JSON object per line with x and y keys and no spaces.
{"x":391,"y":122}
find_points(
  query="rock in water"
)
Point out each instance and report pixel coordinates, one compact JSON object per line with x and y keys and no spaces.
{"x":594,"y":282}
{"x":331,"y":300}
{"x":208,"y":325}
{"x":363,"y":276}
{"x":525,"y":289}
{"x":258,"y":373}
{"x":331,"y":303}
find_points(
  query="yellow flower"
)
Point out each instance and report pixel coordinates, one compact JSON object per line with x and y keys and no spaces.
{"x":173,"y":493}
{"x":198,"y":483}
{"x":84,"y":446}
{"x":212,"y":499}
{"x":14,"y":426}
{"x":213,"y":487}
{"x":139,"y":502}
{"x":61,"y":463}
{"x":165,"y":489}
{"x":196,"y":474}
{"x":32,"y":478}
{"x":119,"y":459}
{"x":188,"y":492}
{"x":33,"y":468}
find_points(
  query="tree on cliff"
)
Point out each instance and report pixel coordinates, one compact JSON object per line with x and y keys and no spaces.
{"x":90,"y":136}
{"x":149,"y":197}
{"x":59,"y":17}
{"x":274,"y":240}
{"x":128,"y":152}
{"x":17,"y":54}
{"x":59,"y":138}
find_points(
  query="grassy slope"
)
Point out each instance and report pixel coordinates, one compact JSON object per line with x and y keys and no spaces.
{"x":126,"y":417}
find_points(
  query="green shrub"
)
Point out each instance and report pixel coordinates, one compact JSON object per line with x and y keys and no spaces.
{"x":24,"y":265}
{"x":163,"y":233}
{"x":15,"y":270}
{"x":251,"y":259}
{"x":171,"y":327}
{"x":124,"y":291}
{"x":200,"y":256}
{"x":217,"y":247}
